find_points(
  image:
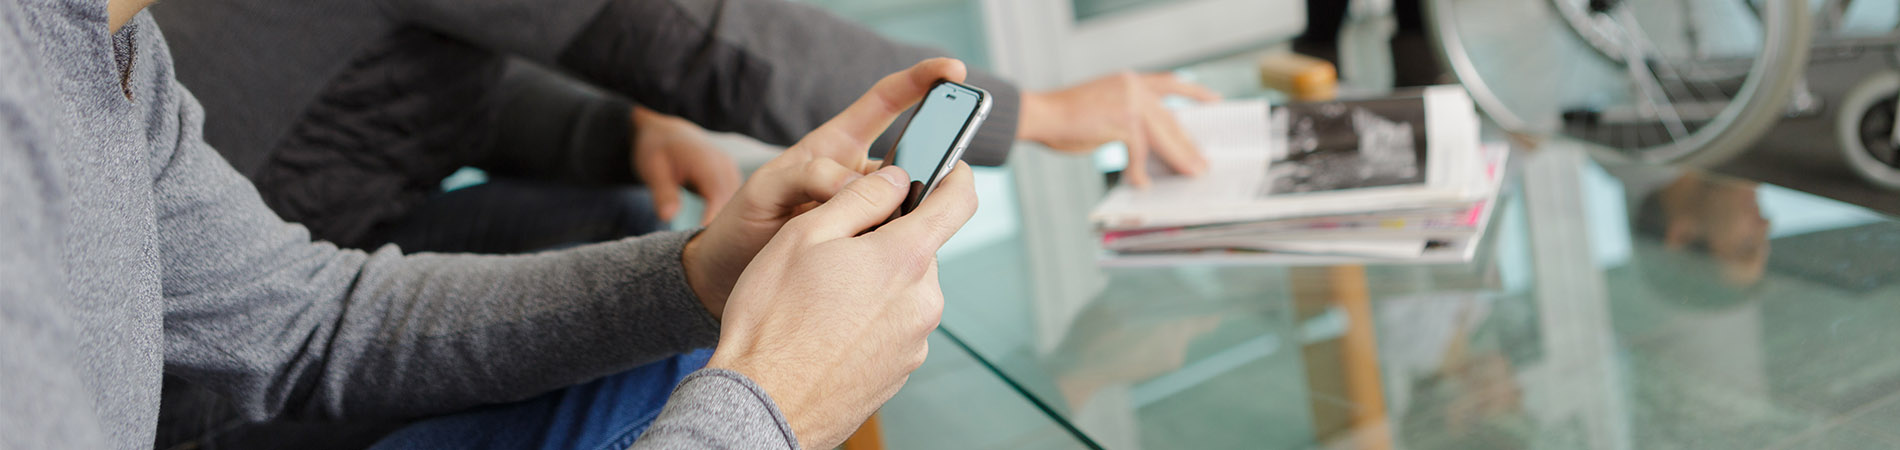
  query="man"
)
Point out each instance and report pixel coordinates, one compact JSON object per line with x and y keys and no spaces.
{"x":348,"y":113}
{"x":129,"y":248}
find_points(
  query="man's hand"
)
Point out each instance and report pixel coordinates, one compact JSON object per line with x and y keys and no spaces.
{"x":1123,"y":107}
{"x":669,"y":152}
{"x":830,"y":322}
{"x":811,"y":171}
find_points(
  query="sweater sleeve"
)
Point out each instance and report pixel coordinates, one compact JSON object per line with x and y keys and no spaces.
{"x":715,"y":408}
{"x":288,"y":327}
{"x":771,"y":69}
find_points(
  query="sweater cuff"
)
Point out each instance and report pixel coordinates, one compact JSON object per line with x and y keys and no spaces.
{"x":701,"y":328}
{"x":678,"y":320}
{"x":718,"y":408}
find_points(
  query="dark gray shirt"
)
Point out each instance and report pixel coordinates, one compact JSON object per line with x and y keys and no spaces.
{"x":129,"y":248}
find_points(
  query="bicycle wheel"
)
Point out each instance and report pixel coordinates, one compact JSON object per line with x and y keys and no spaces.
{"x":1681,"y":81}
{"x":1865,"y":128}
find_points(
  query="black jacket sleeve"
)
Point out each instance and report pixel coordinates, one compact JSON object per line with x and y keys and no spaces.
{"x":556,"y":128}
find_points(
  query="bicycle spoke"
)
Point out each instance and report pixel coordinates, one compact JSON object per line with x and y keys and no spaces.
{"x":1647,"y":86}
{"x":1641,"y":44}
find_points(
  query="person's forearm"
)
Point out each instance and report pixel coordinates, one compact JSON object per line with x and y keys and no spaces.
{"x":551,"y":127}
{"x":770,"y":69}
{"x":413,"y":335}
{"x":715,"y":408}
{"x":285,"y":326}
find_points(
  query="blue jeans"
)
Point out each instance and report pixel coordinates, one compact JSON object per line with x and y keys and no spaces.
{"x":608,"y":413}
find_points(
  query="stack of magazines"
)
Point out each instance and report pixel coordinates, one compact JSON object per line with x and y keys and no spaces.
{"x":1403,"y":178}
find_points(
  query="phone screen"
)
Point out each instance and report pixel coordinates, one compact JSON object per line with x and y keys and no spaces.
{"x":933,"y":132}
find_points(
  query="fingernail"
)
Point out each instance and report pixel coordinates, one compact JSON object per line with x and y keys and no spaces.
{"x":891,"y":174}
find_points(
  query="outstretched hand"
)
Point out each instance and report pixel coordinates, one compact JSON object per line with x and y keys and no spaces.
{"x":1123,"y":107}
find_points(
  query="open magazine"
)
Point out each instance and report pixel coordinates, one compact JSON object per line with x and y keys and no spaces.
{"x":1402,"y":239}
{"x":1431,"y":224}
{"x":1396,"y":179}
{"x":1409,"y":152}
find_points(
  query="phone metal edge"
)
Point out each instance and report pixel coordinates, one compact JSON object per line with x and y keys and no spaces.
{"x":966,"y":135}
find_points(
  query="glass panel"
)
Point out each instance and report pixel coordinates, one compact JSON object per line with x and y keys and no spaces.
{"x":1634,"y":307}
{"x":953,"y":402}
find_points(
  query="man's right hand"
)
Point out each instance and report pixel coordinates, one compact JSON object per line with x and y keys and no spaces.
{"x":812,"y":170}
{"x":830,"y":320}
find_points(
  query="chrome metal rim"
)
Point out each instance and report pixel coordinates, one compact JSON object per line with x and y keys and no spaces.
{"x":1756,"y":105}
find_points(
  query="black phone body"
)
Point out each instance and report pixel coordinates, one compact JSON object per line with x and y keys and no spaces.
{"x":934,"y":138}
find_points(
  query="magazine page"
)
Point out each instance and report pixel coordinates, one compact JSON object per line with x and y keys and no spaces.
{"x":1435,"y":253}
{"x":1385,"y":224}
{"x":1339,"y":146}
{"x":1413,"y":151}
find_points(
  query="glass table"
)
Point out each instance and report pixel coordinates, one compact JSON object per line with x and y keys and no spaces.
{"x":1610,"y":307}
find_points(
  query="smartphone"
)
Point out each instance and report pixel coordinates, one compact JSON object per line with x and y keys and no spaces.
{"x":934,"y":139}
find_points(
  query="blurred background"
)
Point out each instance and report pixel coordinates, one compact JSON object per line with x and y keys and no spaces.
{"x":1791,"y":96}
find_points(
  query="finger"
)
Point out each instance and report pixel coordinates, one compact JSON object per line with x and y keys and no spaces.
{"x":861,"y":123}
{"x":662,"y":186}
{"x":862,"y":204}
{"x":716,"y":180}
{"x":1136,"y":174}
{"x":930,"y":306}
{"x":938,"y":217}
{"x":1164,"y":84}
{"x":1173,"y":145}
{"x":791,"y":189}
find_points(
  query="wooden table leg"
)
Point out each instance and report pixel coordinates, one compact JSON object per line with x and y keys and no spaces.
{"x":1347,"y":367}
{"x":868,"y":437}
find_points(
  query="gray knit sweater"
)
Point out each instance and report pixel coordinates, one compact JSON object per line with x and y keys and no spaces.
{"x":129,"y":248}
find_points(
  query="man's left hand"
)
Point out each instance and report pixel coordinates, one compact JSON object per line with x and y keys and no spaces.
{"x":670,"y":153}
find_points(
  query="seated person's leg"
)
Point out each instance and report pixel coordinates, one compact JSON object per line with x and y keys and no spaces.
{"x":608,"y":413}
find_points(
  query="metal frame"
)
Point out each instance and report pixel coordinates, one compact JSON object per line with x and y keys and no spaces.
{"x":1764,"y":93}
